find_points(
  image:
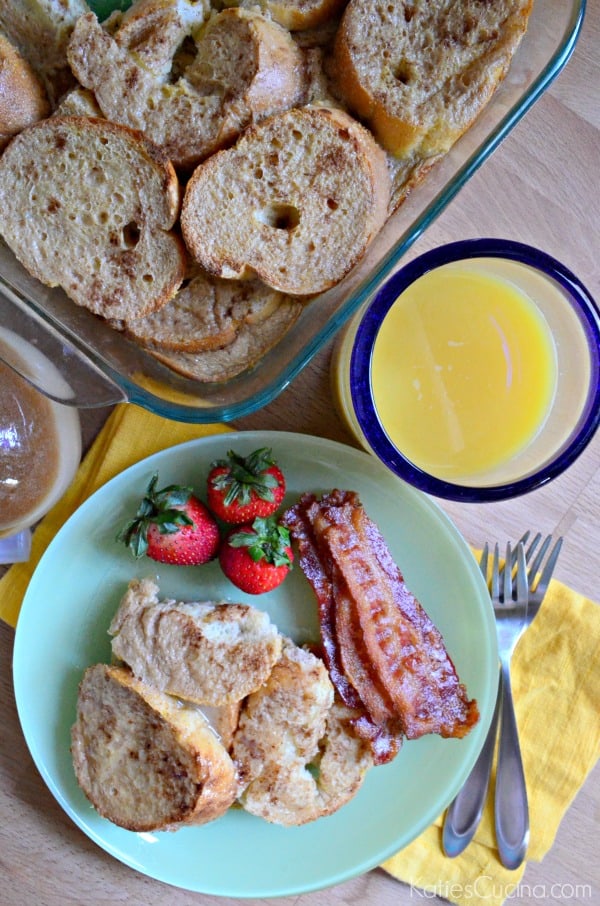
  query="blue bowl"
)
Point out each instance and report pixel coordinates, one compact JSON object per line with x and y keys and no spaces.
{"x":574,"y":321}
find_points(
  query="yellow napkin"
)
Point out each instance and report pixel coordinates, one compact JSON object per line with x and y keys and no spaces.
{"x":556,"y":686}
{"x":555,"y":680}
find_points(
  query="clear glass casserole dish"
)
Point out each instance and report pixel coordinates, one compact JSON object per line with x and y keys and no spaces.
{"x":111,"y":368}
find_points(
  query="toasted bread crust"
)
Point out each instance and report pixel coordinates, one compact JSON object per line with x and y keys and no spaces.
{"x":295,"y":202}
{"x":143,"y":760}
{"x":297,"y":15}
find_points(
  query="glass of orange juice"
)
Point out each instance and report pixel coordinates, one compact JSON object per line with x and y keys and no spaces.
{"x":474,"y":373}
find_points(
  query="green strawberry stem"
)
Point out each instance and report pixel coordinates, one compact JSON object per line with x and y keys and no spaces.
{"x":161,"y":508}
{"x":246,"y":475}
{"x":268,"y":541}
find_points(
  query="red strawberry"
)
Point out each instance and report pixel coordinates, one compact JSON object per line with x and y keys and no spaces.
{"x":241,"y":488}
{"x":257,"y":557}
{"x":172,"y":526}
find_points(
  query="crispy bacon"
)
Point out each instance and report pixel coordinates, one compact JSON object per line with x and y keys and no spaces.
{"x":383,"y":652}
{"x":385,"y":738}
{"x":299,"y":521}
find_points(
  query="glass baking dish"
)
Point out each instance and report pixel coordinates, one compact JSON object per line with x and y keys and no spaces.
{"x":108,"y":367}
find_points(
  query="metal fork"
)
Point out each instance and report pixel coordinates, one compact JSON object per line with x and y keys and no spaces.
{"x":510,"y":803}
{"x":464,"y":814}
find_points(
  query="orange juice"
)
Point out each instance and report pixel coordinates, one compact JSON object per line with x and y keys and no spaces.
{"x":463,"y":371}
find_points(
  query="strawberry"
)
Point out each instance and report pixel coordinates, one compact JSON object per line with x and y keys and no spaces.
{"x":257,"y":557}
{"x":241,"y":488}
{"x":172,"y":526}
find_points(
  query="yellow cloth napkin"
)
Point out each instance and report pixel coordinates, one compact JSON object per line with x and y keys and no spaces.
{"x":556,"y":686}
{"x":555,"y":679}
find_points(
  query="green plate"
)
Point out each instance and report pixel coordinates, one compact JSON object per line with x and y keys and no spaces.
{"x":76,"y":589}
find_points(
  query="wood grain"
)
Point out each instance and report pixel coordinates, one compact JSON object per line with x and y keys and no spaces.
{"x":540,"y":187}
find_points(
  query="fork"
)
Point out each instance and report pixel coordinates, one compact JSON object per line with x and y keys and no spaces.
{"x":510,"y":802}
{"x":464,"y":814}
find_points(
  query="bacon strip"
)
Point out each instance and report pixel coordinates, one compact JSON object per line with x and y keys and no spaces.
{"x":385,"y":739}
{"x":299,"y":521}
{"x":380,"y":645}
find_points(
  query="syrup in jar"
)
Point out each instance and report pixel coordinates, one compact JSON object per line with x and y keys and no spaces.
{"x":40,"y":440}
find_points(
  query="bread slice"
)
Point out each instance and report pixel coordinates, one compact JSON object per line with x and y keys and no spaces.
{"x":23,"y":99}
{"x":158,"y":33}
{"x":260,"y":331}
{"x":144,"y":760}
{"x":405,"y":174}
{"x":295,"y":202}
{"x":89,"y":205}
{"x":40,"y":29}
{"x":420,"y":73}
{"x":244,"y":67}
{"x":297,"y":756}
{"x":284,"y":719}
{"x":208,"y":653}
{"x":205,"y":314}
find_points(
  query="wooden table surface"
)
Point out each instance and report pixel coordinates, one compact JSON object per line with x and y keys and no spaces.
{"x":539,"y":187}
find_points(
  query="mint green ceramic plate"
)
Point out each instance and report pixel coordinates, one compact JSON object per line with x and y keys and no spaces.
{"x":76,"y":588}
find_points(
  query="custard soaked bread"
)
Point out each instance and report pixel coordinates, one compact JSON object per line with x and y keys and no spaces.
{"x":207,"y":653}
{"x":209,"y":703}
{"x":206,"y":314}
{"x":419,"y":73}
{"x":41,"y":29}
{"x":295,"y":202}
{"x":242,"y":68}
{"x":213,"y":329}
{"x":23,"y":99}
{"x":89,"y":205}
{"x":158,"y":32}
{"x":144,"y":760}
{"x":257,"y":104}
{"x":297,"y":754}
{"x":258,"y":332}
{"x":205,"y":704}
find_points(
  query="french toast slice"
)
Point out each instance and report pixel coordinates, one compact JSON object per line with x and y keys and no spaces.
{"x":419,"y":73}
{"x":90,"y":206}
{"x":297,"y":755}
{"x":242,"y":68}
{"x":209,"y":653}
{"x":144,"y":760}
{"x":296,"y":201}
{"x":23,"y":98}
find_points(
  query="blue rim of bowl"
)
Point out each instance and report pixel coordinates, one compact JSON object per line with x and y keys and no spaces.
{"x":361,"y":357}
